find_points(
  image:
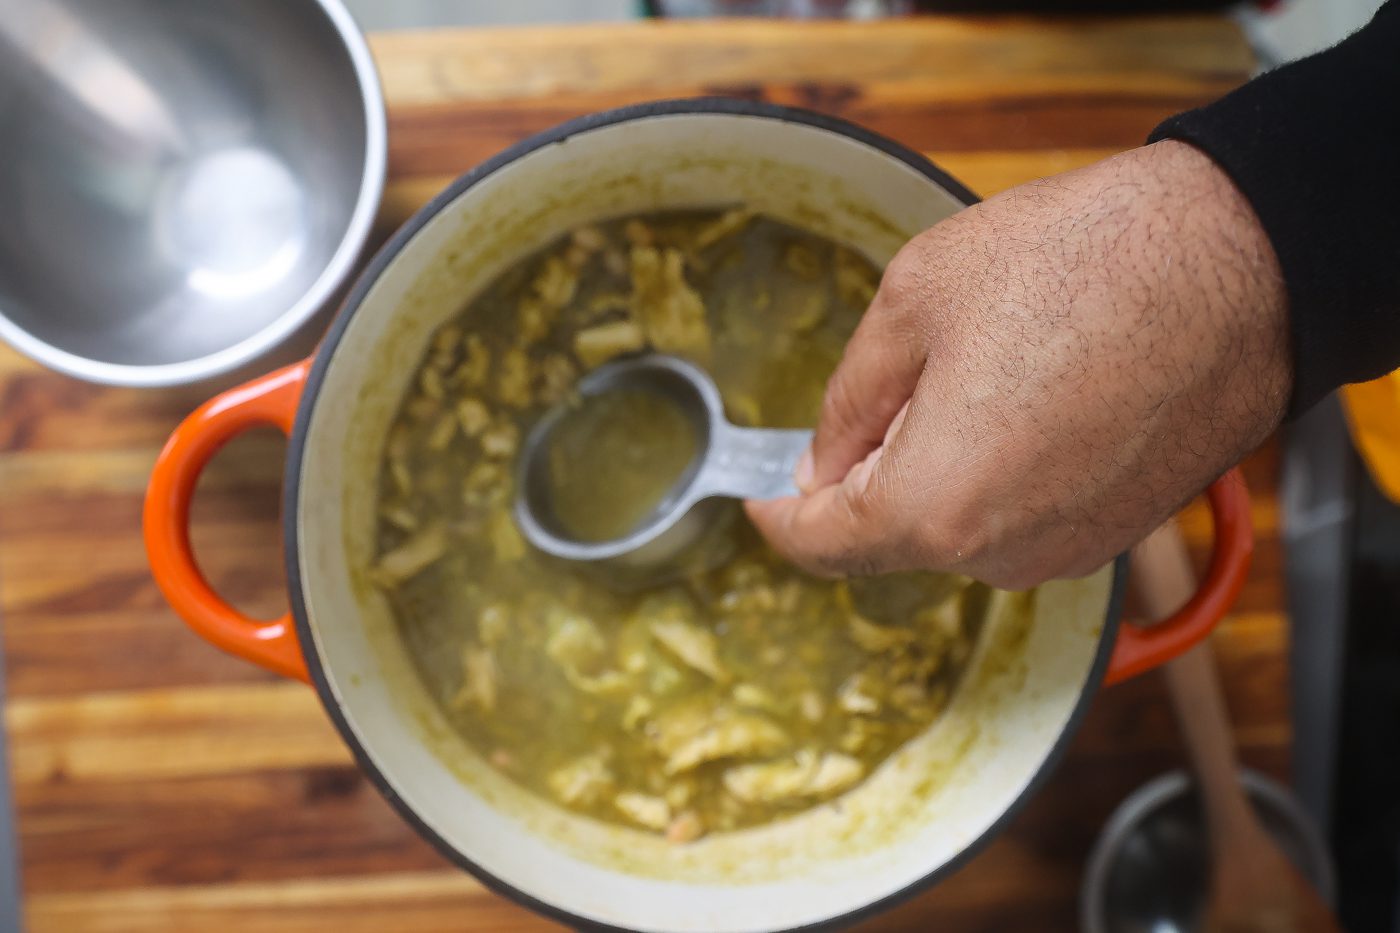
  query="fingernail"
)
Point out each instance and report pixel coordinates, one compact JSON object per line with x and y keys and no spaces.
{"x":806,"y":470}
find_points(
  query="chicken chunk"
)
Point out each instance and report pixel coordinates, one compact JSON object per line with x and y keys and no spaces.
{"x":430,"y":382}
{"x":753,"y":697}
{"x":600,"y":343}
{"x":400,"y":516}
{"x":556,"y":284}
{"x":581,"y":782}
{"x":747,"y":589}
{"x":861,"y":735}
{"x":589,"y":239}
{"x":513,"y":381}
{"x":945,"y":619}
{"x":605,"y":303}
{"x":644,"y":810}
{"x":557,"y":376}
{"x":576,"y":645}
{"x":500,"y":440}
{"x":638,"y":709}
{"x":479,"y":680}
{"x":475,"y":367}
{"x":741,"y":735}
{"x":691,"y":735}
{"x":835,"y":772}
{"x":662,"y":679}
{"x":681,"y":791}
{"x":877,"y":638}
{"x":550,"y":292}
{"x":671,"y":312}
{"x":694,"y":645}
{"x":772,"y":781}
{"x":722,"y":227}
{"x":411,"y":558}
{"x":396,"y":450}
{"x":805,"y":774}
{"x":856,"y":696}
{"x":913,"y":699}
{"x":443,"y":430}
{"x":486,"y":484}
{"x":473,"y":415}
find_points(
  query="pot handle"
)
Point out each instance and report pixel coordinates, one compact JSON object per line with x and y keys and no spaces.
{"x":268,"y":400}
{"x":1141,"y":648}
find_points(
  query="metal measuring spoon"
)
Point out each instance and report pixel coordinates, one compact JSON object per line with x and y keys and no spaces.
{"x":731,"y":463}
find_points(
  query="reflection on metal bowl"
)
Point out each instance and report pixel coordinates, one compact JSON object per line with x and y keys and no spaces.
{"x":185,"y":185}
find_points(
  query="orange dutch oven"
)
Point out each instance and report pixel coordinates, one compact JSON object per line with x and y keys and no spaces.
{"x":921,"y":814}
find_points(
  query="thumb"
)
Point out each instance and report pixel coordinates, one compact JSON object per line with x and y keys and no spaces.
{"x":850,"y":527}
{"x":875,"y":378}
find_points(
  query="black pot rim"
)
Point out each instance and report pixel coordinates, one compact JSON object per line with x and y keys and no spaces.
{"x":326,"y":351}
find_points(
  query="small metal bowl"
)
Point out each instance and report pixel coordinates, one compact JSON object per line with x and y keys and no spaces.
{"x":1148,"y":870}
{"x":184,"y":185}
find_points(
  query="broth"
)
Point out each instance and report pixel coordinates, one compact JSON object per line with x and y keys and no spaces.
{"x":612,"y":462}
{"x":730,"y":698}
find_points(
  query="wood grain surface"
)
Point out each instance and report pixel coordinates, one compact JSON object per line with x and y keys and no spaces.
{"x":163,"y":786}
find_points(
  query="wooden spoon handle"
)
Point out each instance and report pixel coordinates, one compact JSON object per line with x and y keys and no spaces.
{"x":1163,"y":579}
{"x":1253,"y":887}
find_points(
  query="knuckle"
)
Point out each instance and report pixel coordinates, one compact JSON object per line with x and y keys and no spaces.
{"x":961,"y":536}
{"x":904,"y":275}
{"x":915,"y":277}
{"x":897,"y":279}
{"x":984,"y":544}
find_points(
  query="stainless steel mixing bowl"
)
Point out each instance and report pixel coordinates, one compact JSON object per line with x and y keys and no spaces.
{"x":1148,"y":870}
{"x":183,"y":185}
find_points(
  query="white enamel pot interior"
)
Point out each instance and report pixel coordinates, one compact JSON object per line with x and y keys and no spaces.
{"x":918,"y":816}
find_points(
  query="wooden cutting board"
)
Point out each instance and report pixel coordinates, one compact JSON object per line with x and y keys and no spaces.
{"x":162,"y":786}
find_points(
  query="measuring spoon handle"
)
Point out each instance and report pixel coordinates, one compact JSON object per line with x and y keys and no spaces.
{"x":751,"y":463}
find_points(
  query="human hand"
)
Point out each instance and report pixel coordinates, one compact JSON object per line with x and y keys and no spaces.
{"x":1045,"y":377}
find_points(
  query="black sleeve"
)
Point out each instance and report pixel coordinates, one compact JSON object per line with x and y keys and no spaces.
{"x":1315,"y":148}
